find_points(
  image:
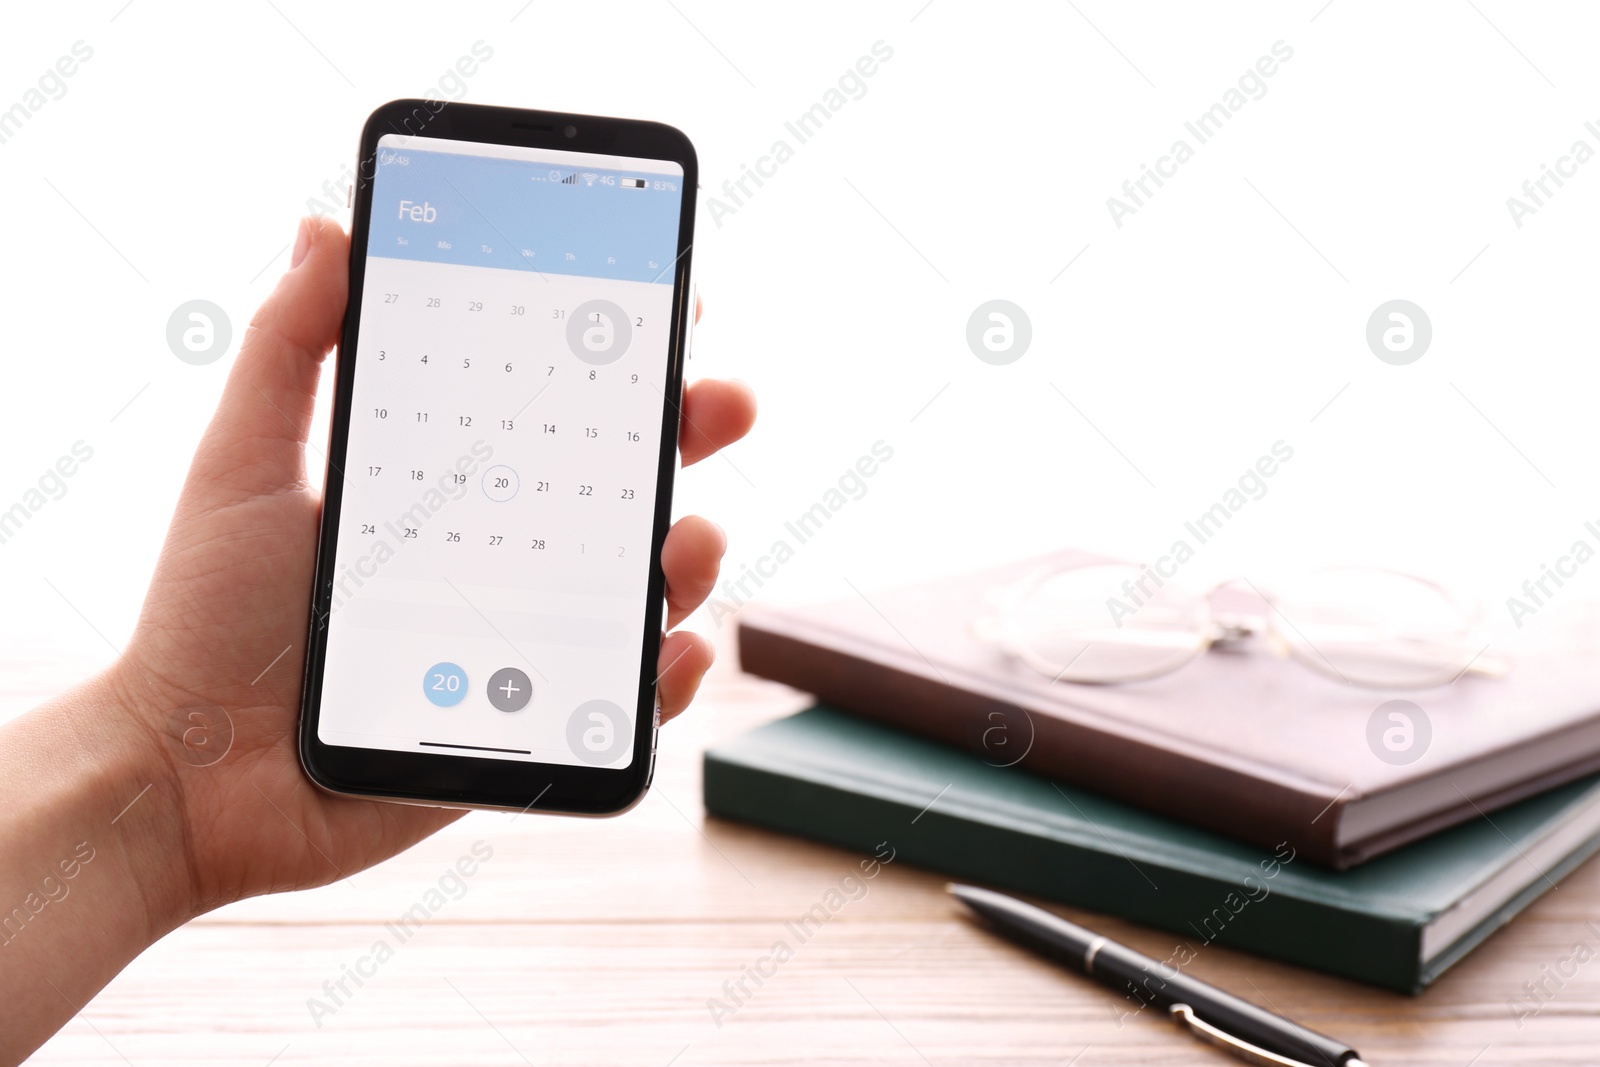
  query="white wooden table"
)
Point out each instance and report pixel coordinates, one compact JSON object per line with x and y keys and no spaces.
{"x":602,"y":942}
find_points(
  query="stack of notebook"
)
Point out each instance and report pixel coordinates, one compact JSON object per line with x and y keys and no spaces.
{"x":1235,"y":801}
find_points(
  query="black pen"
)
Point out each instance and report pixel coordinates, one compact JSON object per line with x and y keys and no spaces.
{"x":1211,"y":1015}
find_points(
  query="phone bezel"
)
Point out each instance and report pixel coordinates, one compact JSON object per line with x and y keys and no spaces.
{"x":471,"y":781}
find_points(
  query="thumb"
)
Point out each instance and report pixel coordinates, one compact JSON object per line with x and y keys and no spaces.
{"x":256,"y":441}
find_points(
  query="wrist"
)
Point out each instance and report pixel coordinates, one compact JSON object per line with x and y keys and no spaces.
{"x":96,"y":864}
{"x":105,"y":750}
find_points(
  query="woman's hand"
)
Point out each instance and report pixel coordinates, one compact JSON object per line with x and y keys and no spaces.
{"x":194,"y":728}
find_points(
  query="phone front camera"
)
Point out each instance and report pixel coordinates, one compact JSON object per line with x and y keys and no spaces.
{"x":572,"y":131}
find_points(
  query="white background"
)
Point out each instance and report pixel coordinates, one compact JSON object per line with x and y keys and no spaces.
{"x":1226,"y":315}
{"x":1223,"y":316}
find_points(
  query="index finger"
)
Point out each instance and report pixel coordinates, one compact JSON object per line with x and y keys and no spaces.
{"x":716,"y":413}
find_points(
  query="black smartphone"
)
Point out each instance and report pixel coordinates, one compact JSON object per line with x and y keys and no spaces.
{"x":489,"y":598}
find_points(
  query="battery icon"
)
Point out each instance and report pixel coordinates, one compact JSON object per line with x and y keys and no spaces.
{"x":633,"y":183}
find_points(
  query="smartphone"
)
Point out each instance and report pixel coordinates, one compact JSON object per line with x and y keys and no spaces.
{"x":487,"y":614}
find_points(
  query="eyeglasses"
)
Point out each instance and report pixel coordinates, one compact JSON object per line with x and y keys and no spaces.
{"x":1112,"y":623}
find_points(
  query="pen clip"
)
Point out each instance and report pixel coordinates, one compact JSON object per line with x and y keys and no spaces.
{"x":1222,"y":1039}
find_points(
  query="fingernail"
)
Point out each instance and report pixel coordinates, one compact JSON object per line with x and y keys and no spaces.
{"x":724,"y":534}
{"x":302,"y":244}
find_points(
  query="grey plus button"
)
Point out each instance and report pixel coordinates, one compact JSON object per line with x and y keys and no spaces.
{"x":509,"y":689}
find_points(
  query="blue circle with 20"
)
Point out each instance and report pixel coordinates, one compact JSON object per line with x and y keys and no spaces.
{"x":445,"y":684}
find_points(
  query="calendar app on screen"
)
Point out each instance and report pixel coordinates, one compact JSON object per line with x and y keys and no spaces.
{"x":492,"y":562}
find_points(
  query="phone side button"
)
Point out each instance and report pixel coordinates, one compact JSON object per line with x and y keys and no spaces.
{"x":694,"y":320}
{"x":655,"y":738}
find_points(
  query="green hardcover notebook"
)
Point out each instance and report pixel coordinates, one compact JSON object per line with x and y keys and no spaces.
{"x":1399,"y":921}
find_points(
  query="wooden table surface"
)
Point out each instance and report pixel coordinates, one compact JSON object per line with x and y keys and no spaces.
{"x":602,"y":942}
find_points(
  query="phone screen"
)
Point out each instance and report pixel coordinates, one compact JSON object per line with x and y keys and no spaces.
{"x":492,"y":561}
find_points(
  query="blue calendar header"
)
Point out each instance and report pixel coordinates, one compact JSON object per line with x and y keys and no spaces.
{"x":547,"y":212}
